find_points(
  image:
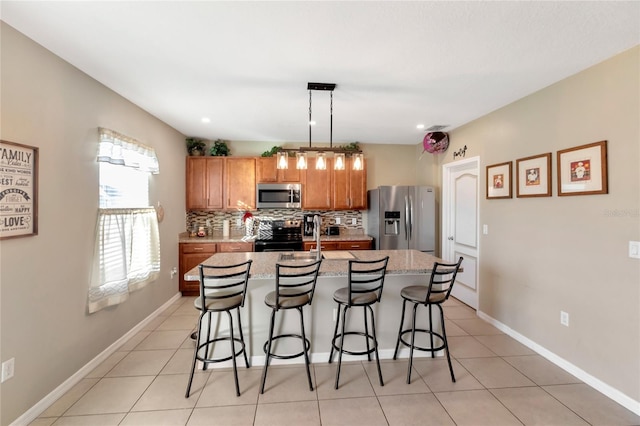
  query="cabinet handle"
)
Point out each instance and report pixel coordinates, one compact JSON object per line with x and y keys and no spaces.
{"x":198,"y":248}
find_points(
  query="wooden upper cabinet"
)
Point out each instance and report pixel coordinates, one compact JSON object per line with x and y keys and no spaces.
{"x":350,"y":188}
{"x":240,"y":178}
{"x":267,"y":171}
{"x":317,"y":187}
{"x":204,"y":183}
{"x":290,"y":174}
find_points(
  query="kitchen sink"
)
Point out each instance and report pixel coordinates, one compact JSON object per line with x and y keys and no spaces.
{"x":312,"y":257}
{"x":298,"y":256}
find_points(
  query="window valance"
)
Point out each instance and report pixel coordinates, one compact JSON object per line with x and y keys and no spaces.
{"x":116,"y":148}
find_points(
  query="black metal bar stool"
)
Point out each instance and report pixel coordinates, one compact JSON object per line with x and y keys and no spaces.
{"x":222,"y":289}
{"x":434,"y":294}
{"x":366,"y":279}
{"x":295,"y":285}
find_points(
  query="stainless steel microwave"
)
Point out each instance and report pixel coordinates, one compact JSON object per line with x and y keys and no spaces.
{"x":278,"y":196}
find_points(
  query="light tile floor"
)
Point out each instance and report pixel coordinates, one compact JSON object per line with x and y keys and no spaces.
{"x":499,"y":382}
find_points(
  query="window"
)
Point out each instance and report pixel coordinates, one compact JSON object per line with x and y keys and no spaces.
{"x":127,"y":251}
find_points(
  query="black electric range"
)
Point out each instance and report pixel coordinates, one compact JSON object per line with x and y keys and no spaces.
{"x":281,"y":235}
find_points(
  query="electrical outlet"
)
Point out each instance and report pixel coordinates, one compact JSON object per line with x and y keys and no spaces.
{"x":7,"y":369}
{"x":174,"y":272}
{"x":634,"y":249}
{"x":485,"y":229}
{"x":354,"y":221}
{"x":337,"y":221}
{"x":564,"y":318}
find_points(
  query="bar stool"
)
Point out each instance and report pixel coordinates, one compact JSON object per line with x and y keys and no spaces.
{"x":366,"y":279}
{"x":434,"y":294}
{"x":222,"y":289}
{"x":295,"y":285}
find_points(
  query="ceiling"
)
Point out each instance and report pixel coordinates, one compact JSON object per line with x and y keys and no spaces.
{"x":246,"y":65}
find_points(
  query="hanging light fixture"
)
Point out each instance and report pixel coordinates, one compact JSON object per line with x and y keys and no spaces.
{"x":282,"y":160}
{"x":358,"y":161}
{"x":338,"y":161}
{"x":339,"y":153}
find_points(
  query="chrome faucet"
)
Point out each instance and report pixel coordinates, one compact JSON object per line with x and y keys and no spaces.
{"x":317,"y":224}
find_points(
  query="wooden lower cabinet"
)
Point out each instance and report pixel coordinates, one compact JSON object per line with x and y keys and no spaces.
{"x":354,"y":245}
{"x":191,"y":255}
{"x":339,"y":245}
{"x":234,"y":247}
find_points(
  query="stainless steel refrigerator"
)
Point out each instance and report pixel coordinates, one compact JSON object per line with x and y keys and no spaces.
{"x":402,"y":217}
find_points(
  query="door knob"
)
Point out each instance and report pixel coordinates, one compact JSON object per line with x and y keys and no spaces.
{"x":450,"y":238}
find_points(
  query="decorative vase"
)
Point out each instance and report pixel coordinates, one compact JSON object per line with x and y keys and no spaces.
{"x":248,"y":223}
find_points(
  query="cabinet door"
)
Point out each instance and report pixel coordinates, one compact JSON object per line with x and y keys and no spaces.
{"x":354,"y":245}
{"x":324,"y":245}
{"x":204,"y":183}
{"x":235,"y":247}
{"x":196,"y":191}
{"x":316,"y":190}
{"x":240,"y":183}
{"x":358,"y":187}
{"x":290,"y":174}
{"x":214,"y":178}
{"x":191,"y":255}
{"x":341,"y":192}
{"x":350,"y":188}
{"x":266,"y":169}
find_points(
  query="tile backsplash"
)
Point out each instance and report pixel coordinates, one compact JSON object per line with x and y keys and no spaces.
{"x":212,"y":220}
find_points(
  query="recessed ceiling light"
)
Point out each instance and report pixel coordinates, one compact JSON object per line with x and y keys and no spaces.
{"x":420,"y":126}
{"x":206,"y":120}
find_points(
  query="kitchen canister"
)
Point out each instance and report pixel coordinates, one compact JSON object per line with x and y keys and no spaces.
{"x":225,"y":228}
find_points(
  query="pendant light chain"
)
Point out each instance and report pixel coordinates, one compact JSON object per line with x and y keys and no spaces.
{"x":331,"y":121}
{"x":309,"y":118}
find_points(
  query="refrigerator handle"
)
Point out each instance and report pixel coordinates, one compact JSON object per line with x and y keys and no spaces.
{"x":406,"y":218}
{"x":410,"y":217}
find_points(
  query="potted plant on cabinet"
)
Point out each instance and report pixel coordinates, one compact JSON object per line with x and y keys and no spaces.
{"x":219,"y":148}
{"x":195,"y":146}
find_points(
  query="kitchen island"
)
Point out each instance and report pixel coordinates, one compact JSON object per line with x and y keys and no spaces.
{"x":405,"y":267}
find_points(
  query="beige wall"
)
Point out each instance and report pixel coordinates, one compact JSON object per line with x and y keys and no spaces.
{"x":44,"y":325}
{"x":543,"y":255}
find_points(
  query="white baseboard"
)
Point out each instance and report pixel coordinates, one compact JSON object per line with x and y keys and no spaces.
{"x":607,"y":390}
{"x":32,"y":413}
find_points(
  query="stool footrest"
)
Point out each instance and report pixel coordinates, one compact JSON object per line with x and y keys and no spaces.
{"x":307,"y":345}
{"x":219,"y":339}
{"x":420,"y":348}
{"x":355,"y":333}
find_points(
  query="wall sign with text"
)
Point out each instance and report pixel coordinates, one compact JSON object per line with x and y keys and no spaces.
{"x":18,"y":190}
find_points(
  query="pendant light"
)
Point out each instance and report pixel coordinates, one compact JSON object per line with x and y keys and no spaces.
{"x":282,"y":160}
{"x":339,"y":153}
{"x":338,"y":161}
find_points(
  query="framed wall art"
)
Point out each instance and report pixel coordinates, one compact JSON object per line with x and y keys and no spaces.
{"x":533,"y":176}
{"x":582,"y":170}
{"x":18,"y":190}
{"x":499,"y":181}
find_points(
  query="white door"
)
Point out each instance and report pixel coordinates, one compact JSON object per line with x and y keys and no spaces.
{"x":460,"y":201}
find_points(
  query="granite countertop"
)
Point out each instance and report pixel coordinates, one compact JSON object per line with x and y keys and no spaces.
{"x":217,"y":237}
{"x":401,"y":262}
